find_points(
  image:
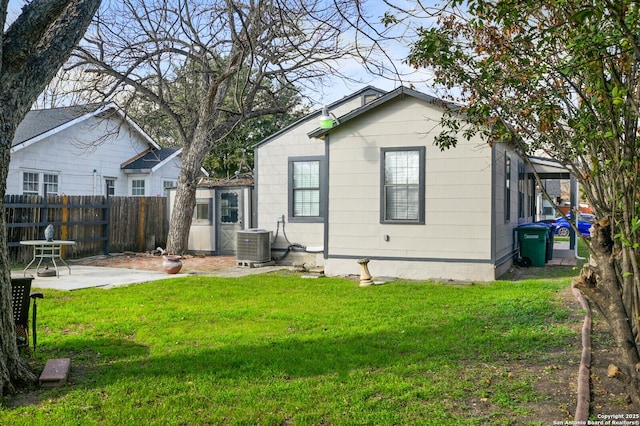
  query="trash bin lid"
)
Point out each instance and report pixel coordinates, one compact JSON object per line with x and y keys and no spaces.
{"x":531,"y":231}
{"x":532,"y":227}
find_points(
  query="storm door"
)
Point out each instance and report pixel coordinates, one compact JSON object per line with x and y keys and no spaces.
{"x":231,"y":219}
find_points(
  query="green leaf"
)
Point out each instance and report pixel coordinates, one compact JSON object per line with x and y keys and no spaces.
{"x":582,"y":15}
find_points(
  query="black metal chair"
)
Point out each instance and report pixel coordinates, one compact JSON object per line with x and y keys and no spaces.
{"x":21,"y":297}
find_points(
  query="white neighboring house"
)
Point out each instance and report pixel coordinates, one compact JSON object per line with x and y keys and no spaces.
{"x":88,"y":150}
{"x":375,"y":186}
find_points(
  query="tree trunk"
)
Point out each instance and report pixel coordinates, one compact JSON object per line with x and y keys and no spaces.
{"x":32,"y":50}
{"x":599,"y":282}
{"x":182,"y":211}
{"x":185,"y":201}
{"x":14,"y":370}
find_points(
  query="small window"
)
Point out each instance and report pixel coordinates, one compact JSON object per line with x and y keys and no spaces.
{"x":402,"y":185}
{"x":30,"y":183}
{"x":50,"y":184}
{"x":137,"y":187}
{"x":521,"y":191}
{"x":229,"y":207}
{"x":202,"y":212}
{"x":369,"y":98}
{"x":306,"y":189}
{"x":167,"y":185}
{"x":110,"y":186}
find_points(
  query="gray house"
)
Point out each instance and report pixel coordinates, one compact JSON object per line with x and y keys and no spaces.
{"x":375,"y":186}
{"x":88,"y":150}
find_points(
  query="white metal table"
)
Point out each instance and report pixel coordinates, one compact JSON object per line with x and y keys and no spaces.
{"x":43,"y":249}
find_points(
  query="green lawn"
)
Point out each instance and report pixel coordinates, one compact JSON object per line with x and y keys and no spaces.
{"x":279,"y":349}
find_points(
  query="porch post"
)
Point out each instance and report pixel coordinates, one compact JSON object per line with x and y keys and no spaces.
{"x":573,"y":202}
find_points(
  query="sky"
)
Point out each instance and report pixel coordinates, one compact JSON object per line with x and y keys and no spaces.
{"x":396,"y":51}
{"x":337,"y":87}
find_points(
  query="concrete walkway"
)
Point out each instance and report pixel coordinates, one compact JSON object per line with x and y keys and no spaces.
{"x":104,"y":277}
{"x":562,"y":255}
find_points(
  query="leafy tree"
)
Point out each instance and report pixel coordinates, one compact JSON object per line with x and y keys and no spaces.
{"x":235,"y":153}
{"x":32,"y":49}
{"x":559,"y":77}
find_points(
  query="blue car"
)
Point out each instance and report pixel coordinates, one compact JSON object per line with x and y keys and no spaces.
{"x":584,"y":224}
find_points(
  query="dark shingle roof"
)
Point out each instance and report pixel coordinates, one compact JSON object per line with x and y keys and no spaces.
{"x":38,"y":122}
{"x":150,"y":159}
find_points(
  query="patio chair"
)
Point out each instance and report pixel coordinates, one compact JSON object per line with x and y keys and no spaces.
{"x":21,"y":297}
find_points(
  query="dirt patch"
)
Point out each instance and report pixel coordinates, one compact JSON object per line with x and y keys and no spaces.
{"x":151,"y":262}
{"x":558,"y":379}
{"x":554,"y":378}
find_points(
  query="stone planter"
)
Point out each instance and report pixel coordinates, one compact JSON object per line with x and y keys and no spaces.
{"x":171,"y":264}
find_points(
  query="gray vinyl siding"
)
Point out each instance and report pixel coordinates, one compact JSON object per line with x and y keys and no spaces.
{"x":457,"y":225}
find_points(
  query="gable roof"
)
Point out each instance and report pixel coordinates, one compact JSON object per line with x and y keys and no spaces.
{"x":316,"y":114}
{"x":40,"y":124}
{"x":150,"y":160}
{"x":394,"y":94}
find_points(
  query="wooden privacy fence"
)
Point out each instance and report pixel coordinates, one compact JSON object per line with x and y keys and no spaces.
{"x":97,"y":224}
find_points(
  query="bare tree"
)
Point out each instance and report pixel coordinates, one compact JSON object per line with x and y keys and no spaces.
{"x":233,"y":56}
{"x":69,"y":87}
{"x":32,"y":49}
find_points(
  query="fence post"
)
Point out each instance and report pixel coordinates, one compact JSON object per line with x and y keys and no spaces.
{"x":107,"y":217}
{"x":141,"y":223}
{"x":44,"y":215}
{"x":64,"y":230}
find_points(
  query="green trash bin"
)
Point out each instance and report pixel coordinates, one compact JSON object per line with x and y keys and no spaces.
{"x":532,"y":240}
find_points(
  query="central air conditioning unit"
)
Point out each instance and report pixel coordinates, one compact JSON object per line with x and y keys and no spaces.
{"x":253,"y":245}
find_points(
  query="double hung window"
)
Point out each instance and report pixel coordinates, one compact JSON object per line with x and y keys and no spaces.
{"x":402,"y":186}
{"x":30,"y":183}
{"x":137,"y":187}
{"x":50,"y":184}
{"x":305,"y":189}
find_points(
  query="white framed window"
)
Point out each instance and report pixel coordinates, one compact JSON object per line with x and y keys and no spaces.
{"x":138,"y":187}
{"x":110,"y":186}
{"x":307,"y":189}
{"x":507,"y":189}
{"x":402,"y":185}
{"x":167,"y":185}
{"x":202,"y":212}
{"x":50,"y":184}
{"x":30,"y":183}
{"x":229,"y":207}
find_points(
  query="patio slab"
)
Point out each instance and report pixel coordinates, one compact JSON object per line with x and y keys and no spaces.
{"x":83,"y":276}
{"x":94,"y":276}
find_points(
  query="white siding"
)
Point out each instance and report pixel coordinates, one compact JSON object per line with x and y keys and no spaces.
{"x":84,"y":156}
{"x":168,"y":172}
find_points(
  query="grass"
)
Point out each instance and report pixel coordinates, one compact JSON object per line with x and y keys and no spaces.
{"x":278,"y":349}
